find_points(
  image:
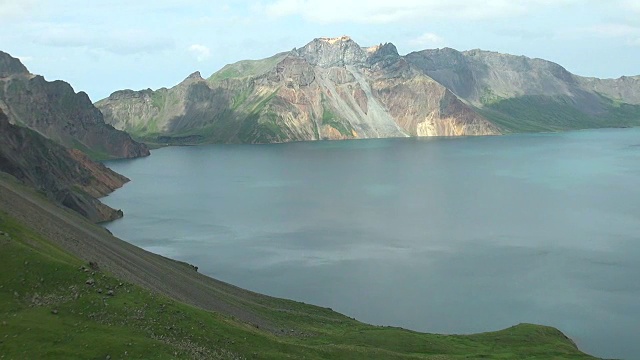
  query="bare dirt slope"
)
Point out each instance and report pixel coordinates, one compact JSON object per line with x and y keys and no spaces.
{"x":92,"y":243}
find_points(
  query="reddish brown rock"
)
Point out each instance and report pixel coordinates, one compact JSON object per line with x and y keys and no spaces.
{"x":68,"y":177}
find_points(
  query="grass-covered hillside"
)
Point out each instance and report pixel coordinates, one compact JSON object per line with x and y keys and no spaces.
{"x":548,"y":113}
{"x":54,"y":304}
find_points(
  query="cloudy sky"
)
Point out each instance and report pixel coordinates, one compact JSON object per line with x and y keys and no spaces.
{"x":102,"y":46}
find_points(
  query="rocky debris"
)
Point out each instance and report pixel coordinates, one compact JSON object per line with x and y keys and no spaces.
{"x":54,"y":311}
{"x":90,"y":281}
{"x":94,"y":265}
{"x":110,"y":293}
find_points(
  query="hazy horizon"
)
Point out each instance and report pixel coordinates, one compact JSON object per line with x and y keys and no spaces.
{"x":103,"y":47}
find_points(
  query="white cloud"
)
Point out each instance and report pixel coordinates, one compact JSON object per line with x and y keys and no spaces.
{"x":201,"y":52}
{"x":384,"y":11}
{"x":428,"y":40}
{"x":11,"y":9}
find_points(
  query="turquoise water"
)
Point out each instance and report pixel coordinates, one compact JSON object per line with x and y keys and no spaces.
{"x":439,"y":235}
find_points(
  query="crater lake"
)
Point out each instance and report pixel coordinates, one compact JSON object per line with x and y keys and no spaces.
{"x":446,"y":235}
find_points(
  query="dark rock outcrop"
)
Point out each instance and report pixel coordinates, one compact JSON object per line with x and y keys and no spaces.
{"x":56,"y":111}
{"x":66,"y":176}
{"x":11,"y":66}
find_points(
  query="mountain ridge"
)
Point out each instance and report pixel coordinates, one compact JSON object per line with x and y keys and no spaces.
{"x":329,"y":89}
{"x":57,"y":112}
{"x":332,"y":88}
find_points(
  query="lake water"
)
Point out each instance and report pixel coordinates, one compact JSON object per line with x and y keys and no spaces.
{"x":437,"y":235}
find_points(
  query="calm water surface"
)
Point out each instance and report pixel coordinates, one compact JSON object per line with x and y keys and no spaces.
{"x":439,"y":235}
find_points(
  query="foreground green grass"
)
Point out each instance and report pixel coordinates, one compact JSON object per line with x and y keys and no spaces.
{"x":47,"y":310}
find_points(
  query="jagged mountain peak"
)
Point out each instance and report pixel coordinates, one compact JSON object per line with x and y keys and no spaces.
{"x":386,"y":48}
{"x":195,"y":76}
{"x":386,"y":52}
{"x":10,"y":65}
{"x":329,"y":52}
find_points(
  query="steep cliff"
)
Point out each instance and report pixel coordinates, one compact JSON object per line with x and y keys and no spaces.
{"x":54,"y":110}
{"x":66,"y":176}
{"x":329,"y":89}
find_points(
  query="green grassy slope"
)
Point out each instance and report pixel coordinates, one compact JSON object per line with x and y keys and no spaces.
{"x":247,"y":68}
{"x":546,"y":113}
{"x":47,"y":310}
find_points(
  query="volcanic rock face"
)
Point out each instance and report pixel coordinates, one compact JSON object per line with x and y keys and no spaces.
{"x":472,"y":74}
{"x":66,"y":176}
{"x":334,"y":89}
{"x":522,"y":94}
{"x":329,"y":89}
{"x":54,"y":110}
{"x":332,"y":52}
{"x":11,"y":66}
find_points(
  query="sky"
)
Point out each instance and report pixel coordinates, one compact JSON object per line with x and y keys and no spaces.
{"x":103,"y":46}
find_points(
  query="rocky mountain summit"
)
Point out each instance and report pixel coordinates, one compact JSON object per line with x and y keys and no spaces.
{"x":65,"y":176}
{"x":54,"y":110}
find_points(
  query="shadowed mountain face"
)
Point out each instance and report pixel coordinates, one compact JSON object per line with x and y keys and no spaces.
{"x":521,"y":94}
{"x":66,"y":176}
{"x":54,"y":110}
{"x":329,"y":89}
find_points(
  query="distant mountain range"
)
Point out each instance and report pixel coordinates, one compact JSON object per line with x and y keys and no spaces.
{"x":55,"y":111}
{"x":332,"y":88}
